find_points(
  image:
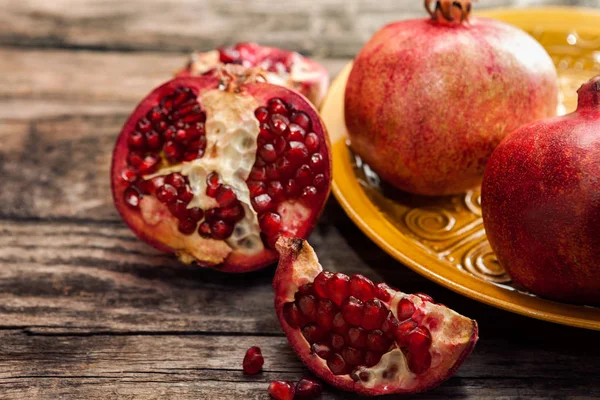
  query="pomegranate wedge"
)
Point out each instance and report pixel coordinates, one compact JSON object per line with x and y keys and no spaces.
{"x":365,"y":338}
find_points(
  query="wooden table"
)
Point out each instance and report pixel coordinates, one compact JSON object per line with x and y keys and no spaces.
{"x":88,"y":311}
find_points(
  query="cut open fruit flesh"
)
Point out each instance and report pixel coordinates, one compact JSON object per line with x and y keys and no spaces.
{"x":216,"y":175}
{"x":365,"y":338}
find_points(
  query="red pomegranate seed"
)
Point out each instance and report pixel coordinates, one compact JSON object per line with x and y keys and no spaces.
{"x":338,"y":288}
{"x":277,"y":106}
{"x":253,"y":361}
{"x":352,"y":310}
{"x":261,"y":114}
{"x":187,"y":226}
{"x":281,"y":390}
{"x":308,"y":306}
{"x":325,"y":312}
{"x":376,"y":341}
{"x":226,"y":196}
{"x":276,"y":191}
{"x":132,"y":197}
{"x":153,"y":140}
{"x":144,"y":125}
{"x":278,"y":126}
{"x":419,"y":362}
{"x":272,"y":172}
{"x":262,"y":203}
{"x":195,"y":213}
{"x":390,"y":325}
{"x":339,"y":324}
{"x":212,"y":180}
{"x":353,"y":356}
{"x":320,"y":283}
{"x":172,"y":151}
{"x":211,"y":214}
{"x":128,"y":175}
{"x":293,"y":316}
{"x":186,"y":195}
{"x":284,"y":166}
{"x":304,"y":175}
{"x":372,"y":359}
{"x":180,"y":136}
{"x":337,"y":341}
{"x":425,"y":297}
{"x":295,"y":133}
{"x":403,"y":329}
{"x":258,"y":173}
{"x":195,"y":116}
{"x":307,"y":288}
{"x":357,"y":337}
{"x":298,"y":153}
{"x":381,"y":291}
{"x":418,"y":339}
{"x":280,"y":144}
{"x":374,"y":314}
{"x":196,"y":133}
{"x":149,"y":164}
{"x":301,"y":119}
{"x":270,"y":223}
{"x":313,"y":333}
{"x":337,"y":365}
{"x":204,"y":230}
{"x":192,"y":155}
{"x":176,"y":180}
{"x":166,"y":194}
{"x":256,"y":188}
{"x":179,"y":210}
{"x":135,"y":159}
{"x":309,"y":193}
{"x":405,"y":309}
{"x":232,"y":214}
{"x":322,"y":350}
{"x":308,"y":389}
{"x":221,"y":229}
{"x":319,"y":181}
{"x":316,"y":162}
{"x":361,"y":287}
{"x":312,"y":142}
{"x":268,"y":153}
{"x":136,"y":140}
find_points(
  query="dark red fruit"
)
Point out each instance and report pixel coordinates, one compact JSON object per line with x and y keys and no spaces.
{"x":281,"y":390}
{"x":308,"y":388}
{"x":253,"y":361}
{"x":215,"y":192}
{"x":347,"y":331}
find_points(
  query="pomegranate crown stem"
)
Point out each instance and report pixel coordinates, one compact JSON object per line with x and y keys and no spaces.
{"x":233,"y":77}
{"x":449,"y":11}
{"x":589,"y":94}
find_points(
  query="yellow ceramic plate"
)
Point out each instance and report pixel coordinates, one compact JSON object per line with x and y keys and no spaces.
{"x":443,"y":238}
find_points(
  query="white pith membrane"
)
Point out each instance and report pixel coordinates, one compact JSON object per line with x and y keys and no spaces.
{"x":392,"y":371}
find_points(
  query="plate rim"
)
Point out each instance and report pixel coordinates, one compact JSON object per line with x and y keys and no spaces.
{"x":364,"y":213}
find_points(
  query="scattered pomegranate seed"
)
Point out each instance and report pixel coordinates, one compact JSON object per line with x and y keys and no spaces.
{"x":281,"y":390}
{"x":253,"y":361}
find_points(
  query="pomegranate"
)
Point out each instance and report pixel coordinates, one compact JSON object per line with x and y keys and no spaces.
{"x":361,"y":337}
{"x":281,"y":390}
{"x":253,"y":361}
{"x":281,"y":67}
{"x":428,"y":100}
{"x":215,"y":169}
{"x":541,"y":203}
{"x":308,"y":388}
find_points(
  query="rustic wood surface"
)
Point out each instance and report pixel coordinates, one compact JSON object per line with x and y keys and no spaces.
{"x":87,"y":311}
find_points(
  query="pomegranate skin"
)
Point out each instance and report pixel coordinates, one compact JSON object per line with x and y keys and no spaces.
{"x":426,"y":103}
{"x":541,"y":203}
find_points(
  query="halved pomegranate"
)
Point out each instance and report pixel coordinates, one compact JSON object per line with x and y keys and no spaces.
{"x":281,"y":67}
{"x":216,"y":169}
{"x":365,"y":338}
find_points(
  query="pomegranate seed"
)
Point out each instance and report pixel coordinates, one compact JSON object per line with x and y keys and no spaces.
{"x":419,"y":362}
{"x":304,"y":175}
{"x":320,"y":283}
{"x":149,"y":165}
{"x":309,"y":193}
{"x":353,"y":356}
{"x":256,"y":188}
{"x":308,"y":306}
{"x":338,"y":288}
{"x":253,"y":361}
{"x":136,"y":140}
{"x":325,"y":312}
{"x":377,"y":342}
{"x":195,"y":134}
{"x":204,"y":230}
{"x":258,"y":173}
{"x":276,"y":191}
{"x":284,"y":166}
{"x":166,"y":194}
{"x":308,"y":389}
{"x":419,"y":339}
{"x":277,"y":106}
{"x":292,"y":315}
{"x":144,"y":125}
{"x":135,"y":159}
{"x":261,"y":114}
{"x":196,"y":116}
{"x":153,"y":140}
{"x":228,"y":55}
{"x":169,"y":134}
{"x":211,"y":214}
{"x":155,"y":114}
{"x":316,"y":162}
{"x":319,"y":181}
{"x":403,"y":329}
{"x":187,"y":226}
{"x":297,"y":153}
{"x":337,"y":341}
{"x":180,"y":136}
{"x":374,"y":314}
{"x":307,"y":288}
{"x":270,"y":223}
{"x":186,"y":195}
{"x":281,"y":390}
{"x":278,"y":126}
{"x":357,"y":337}
{"x":295,"y":133}
{"x":268,"y":153}
{"x":322,"y":350}
{"x":179,"y":210}
{"x":425,"y":297}
{"x":192,"y":155}
{"x":313,"y":333}
{"x":361,"y":287}
{"x":226,"y":196}
{"x":132,"y":197}
{"x":172,"y":151}
{"x":301,"y":119}
{"x":195,"y":213}
{"x":262,"y":203}
{"x":390,"y":325}
{"x":372,"y":359}
{"x":381,"y":291}
{"x":232,"y":214}
{"x":221,"y":229}
{"x":352,"y":310}
{"x":280,"y":144}
{"x":128,"y":175}
{"x":176,"y":180}
{"x":337,"y":365}
{"x":212,"y":180}
{"x":339,"y":324}
{"x":272,"y":171}
{"x":405,"y":309}
{"x":312,"y":142}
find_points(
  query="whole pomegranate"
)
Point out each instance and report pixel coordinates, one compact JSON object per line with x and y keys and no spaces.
{"x":280,"y":67}
{"x":215,"y":169}
{"x":428,"y":100}
{"x":541,"y":203}
{"x":361,"y":337}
